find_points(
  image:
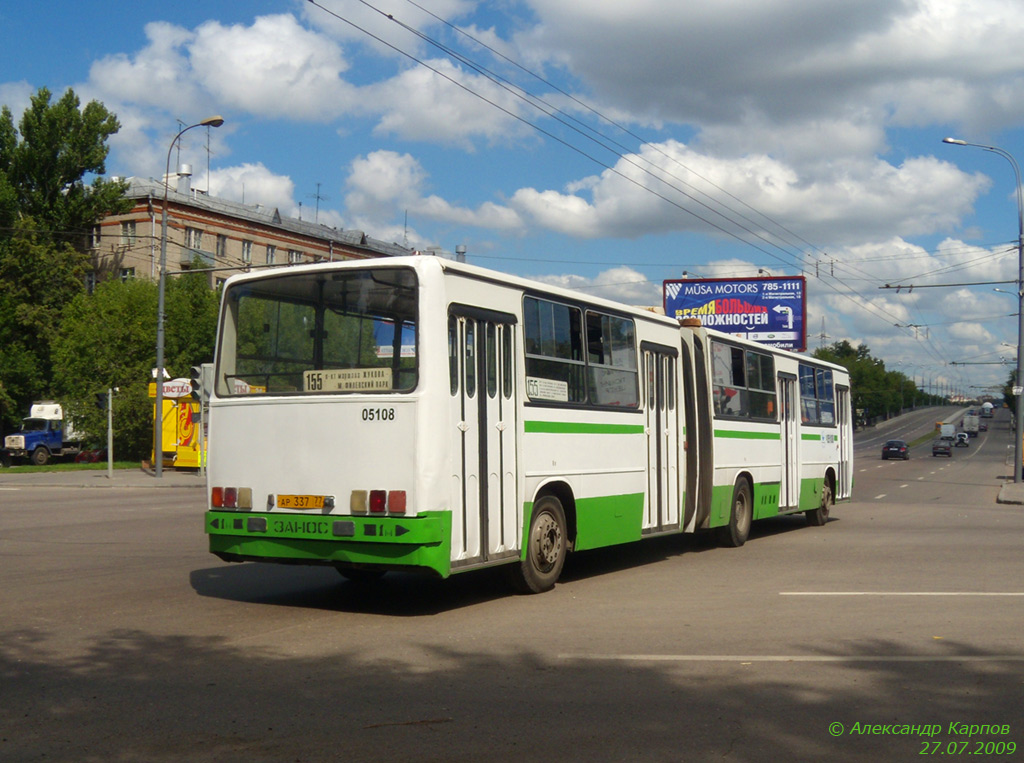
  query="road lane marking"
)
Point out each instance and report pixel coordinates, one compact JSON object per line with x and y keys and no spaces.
{"x":791,"y":658}
{"x":903,"y":486}
{"x":901,"y":593}
{"x":879,"y":497}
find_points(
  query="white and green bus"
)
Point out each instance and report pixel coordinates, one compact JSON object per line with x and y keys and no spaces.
{"x":416,"y":413}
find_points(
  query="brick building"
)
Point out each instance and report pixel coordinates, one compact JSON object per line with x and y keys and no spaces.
{"x":226,"y":236}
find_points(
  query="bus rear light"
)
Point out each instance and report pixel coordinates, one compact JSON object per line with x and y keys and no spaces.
{"x":396,"y":501}
{"x":378,"y":501}
{"x":231,"y":497}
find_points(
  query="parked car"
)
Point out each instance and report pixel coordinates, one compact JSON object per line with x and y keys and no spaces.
{"x":963,"y":440}
{"x":895,"y":449}
{"x":91,"y":456}
{"x":942,"y":447}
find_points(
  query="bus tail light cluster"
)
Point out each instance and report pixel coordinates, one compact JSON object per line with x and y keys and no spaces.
{"x":231,"y":497}
{"x":377,"y":502}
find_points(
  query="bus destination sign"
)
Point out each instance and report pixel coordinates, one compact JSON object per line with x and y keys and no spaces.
{"x":771,"y":310}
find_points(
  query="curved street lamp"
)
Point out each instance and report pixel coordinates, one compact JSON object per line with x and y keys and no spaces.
{"x":158,"y":427}
{"x":1018,"y":433}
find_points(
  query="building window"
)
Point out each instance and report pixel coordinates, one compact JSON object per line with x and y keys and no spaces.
{"x":222,"y":247}
{"x":127,"y":273}
{"x":90,"y":282}
{"x":247,"y":252}
{"x":128,"y":232}
{"x":271,"y":251}
{"x":294,"y":256}
{"x":193,"y":238}
{"x":97,"y":237}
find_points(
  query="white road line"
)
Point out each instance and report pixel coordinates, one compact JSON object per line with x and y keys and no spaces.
{"x":901,"y":593}
{"x":791,"y":658}
{"x":903,"y":486}
{"x":880,"y":496}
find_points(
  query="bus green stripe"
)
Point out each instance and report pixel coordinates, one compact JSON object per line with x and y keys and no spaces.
{"x":735,"y":434}
{"x":569,"y":427}
{"x":810,"y":437}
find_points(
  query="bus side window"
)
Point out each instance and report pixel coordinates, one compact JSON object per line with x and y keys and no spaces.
{"x":470,"y":358}
{"x":453,"y":353}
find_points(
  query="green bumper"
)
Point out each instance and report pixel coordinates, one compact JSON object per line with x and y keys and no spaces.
{"x":423,"y":541}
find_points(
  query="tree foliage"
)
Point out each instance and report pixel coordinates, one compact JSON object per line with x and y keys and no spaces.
{"x":47,"y":208}
{"x":108,"y":339}
{"x":45,"y":163}
{"x":874,"y":390}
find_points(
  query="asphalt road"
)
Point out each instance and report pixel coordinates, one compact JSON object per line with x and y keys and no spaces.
{"x":121,"y":638}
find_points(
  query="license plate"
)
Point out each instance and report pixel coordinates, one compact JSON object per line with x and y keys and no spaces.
{"x":300,"y":502}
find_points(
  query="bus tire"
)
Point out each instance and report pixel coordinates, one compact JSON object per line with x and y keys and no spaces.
{"x":40,"y":456}
{"x":546,"y":548}
{"x":736,"y":532}
{"x":819,"y":516}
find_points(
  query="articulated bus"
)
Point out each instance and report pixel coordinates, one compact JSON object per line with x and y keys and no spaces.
{"x":417,"y":413}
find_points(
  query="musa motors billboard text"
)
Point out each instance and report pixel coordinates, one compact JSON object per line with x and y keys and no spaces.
{"x":766,"y":310}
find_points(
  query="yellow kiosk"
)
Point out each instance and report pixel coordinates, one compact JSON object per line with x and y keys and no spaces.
{"x":184,"y":446}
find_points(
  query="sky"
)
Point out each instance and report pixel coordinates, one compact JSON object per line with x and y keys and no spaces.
{"x":601,"y":145}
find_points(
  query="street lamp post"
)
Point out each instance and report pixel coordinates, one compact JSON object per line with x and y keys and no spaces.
{"x":1018,"y":433}
{"x":158,"y":427}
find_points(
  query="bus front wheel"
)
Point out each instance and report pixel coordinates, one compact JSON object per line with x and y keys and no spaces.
{"x":819,"y":516}
{"x":546,"y":547}
{"x":735,"y":533}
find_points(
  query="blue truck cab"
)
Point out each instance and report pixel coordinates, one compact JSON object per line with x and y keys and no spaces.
{"x":44,"y":435}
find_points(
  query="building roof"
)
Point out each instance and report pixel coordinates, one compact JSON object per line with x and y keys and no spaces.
{"x":141,"y":188}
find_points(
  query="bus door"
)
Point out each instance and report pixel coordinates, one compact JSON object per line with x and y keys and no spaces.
{"x":844,"y":481}
{"x":789,"y":414}
{"x":661,"y":510}
{"x":485,"y":517}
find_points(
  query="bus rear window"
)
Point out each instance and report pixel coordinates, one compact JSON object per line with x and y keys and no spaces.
{"x":317,"y":333}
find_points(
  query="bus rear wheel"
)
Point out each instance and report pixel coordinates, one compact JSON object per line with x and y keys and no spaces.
{"x":546,"y":548}
{"x":819,"y":516}
{"x":736,"y":532}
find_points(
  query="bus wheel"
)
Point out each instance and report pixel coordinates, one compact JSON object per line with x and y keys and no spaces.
{"x":735,"y":533}
{"x":819,"y":516}
{"x":40,"y":456}
{"x":546,"y":547}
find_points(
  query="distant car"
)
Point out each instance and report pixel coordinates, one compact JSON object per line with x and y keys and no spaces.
{"x":895,"y":449}
{"x":942,"y":448}
{"x":963,"y":440}
{"x":91,"y":456}
{"x":983,"y":426}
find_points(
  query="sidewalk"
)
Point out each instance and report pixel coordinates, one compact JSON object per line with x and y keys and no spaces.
{"x":122,"y":478}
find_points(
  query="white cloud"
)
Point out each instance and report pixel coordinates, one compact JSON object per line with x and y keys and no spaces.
{"x":253,"y":184}
{"x":274,"y":67}
{"x":384,"y":181}
{"x":622,"y":284}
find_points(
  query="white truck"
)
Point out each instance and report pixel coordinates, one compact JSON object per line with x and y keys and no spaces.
{"x":947,"y":431}
{"x":986,"y":410}
{"x":971,"y":423}
{"x":44,"y":435}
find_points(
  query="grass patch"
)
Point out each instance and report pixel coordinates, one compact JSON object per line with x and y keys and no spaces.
{"x":69,"y":467}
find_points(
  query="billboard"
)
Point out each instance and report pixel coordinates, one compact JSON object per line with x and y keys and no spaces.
{"x":770,"y":310}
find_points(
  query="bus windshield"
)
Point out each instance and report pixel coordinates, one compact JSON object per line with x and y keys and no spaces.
{"x":320,"y":332}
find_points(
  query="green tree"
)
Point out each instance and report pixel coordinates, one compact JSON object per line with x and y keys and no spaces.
{"x":47,"y":209}
{"x":108,"y":339}
{"x":37,"y":279}
{"x":45,"y":162}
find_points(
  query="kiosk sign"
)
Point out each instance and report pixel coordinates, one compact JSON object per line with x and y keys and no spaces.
{"x":771,"y":311}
